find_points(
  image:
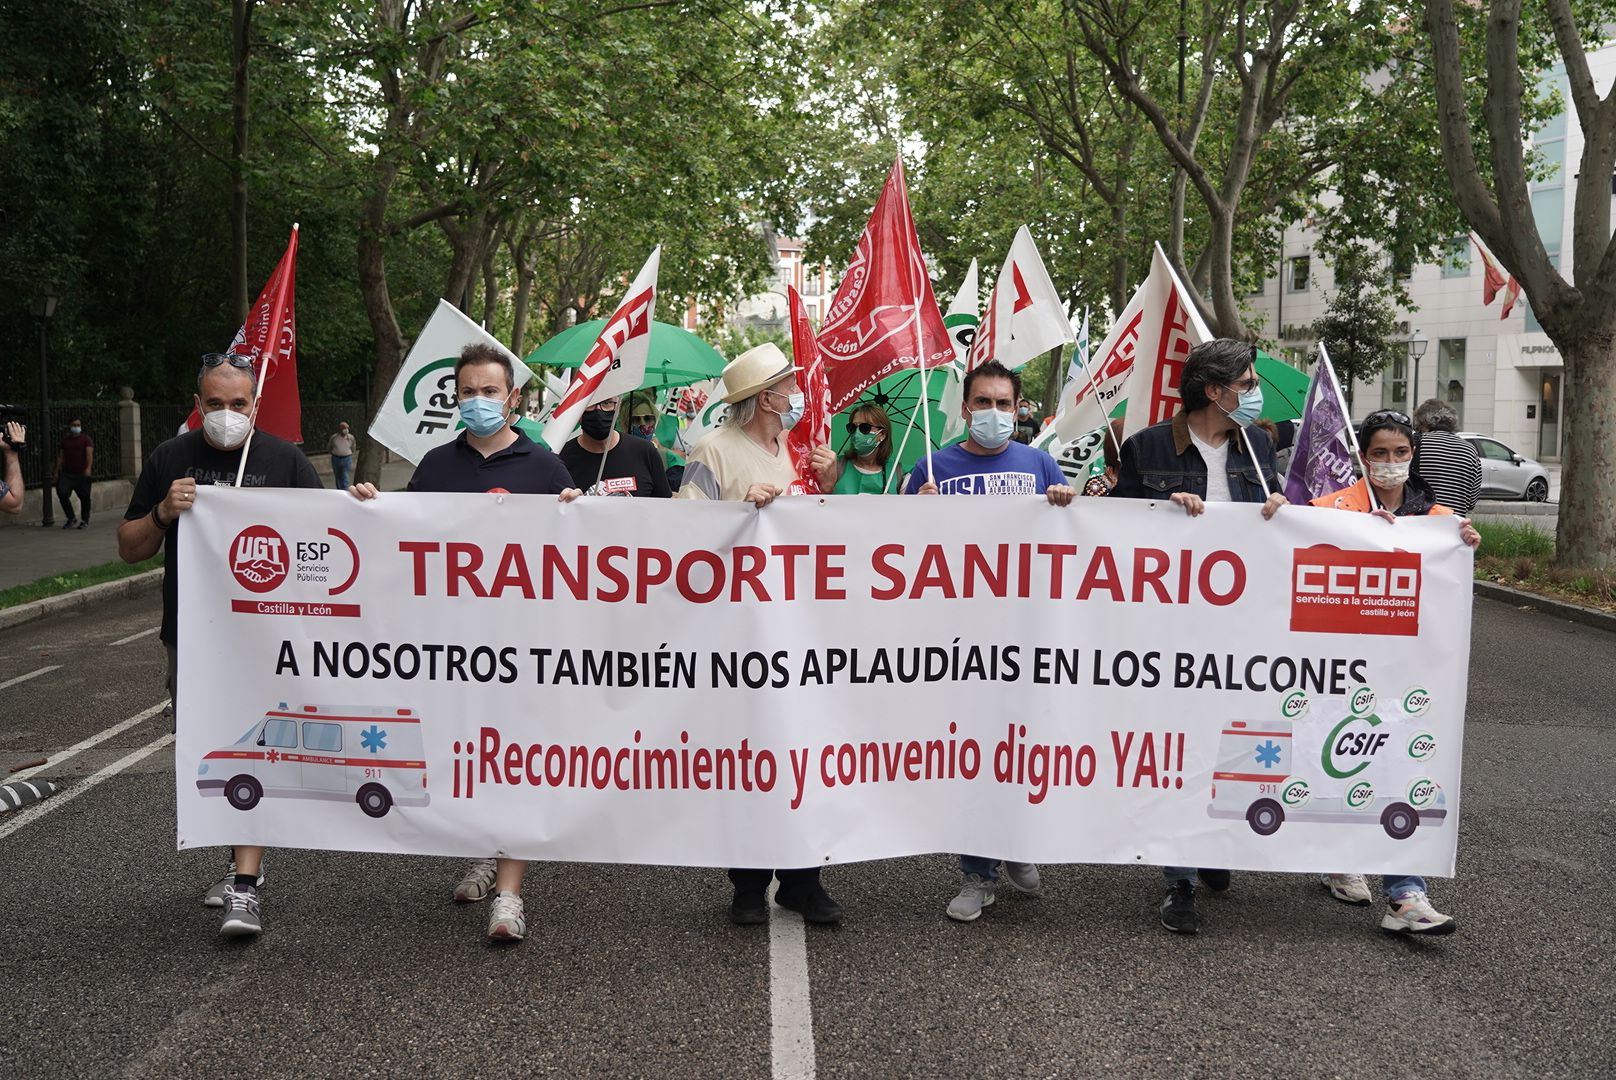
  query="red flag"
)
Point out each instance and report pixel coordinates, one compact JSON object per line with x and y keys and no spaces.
{"x":1512,"y":293}
{"x":269,"y":339}
{"x":814,"y":427}
{"x":1492,"y":275}
{"x":870,"y":330}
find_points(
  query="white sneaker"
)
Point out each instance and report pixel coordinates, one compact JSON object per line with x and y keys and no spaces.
{"x":974,"y":895}
{"x":1348,"y":888}
{"x":505,"y":918}
{"x":1413,"y":914}
{"x":214,"y":897}
{"x":477,"y":884}
{"x":1024,"y":876}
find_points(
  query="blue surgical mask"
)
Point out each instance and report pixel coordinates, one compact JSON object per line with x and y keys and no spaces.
{"x":482,"y":416}
{"x":74,"y":430}
{"x":796,"y":404}
{"x":1250,"y":407}
{"x":990,"y":428}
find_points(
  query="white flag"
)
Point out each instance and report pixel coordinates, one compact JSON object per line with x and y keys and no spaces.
{"x":1025,"y":315}
{"x":1077,"y":370}
{"x":616,"y":364}
{"x":962,"y":317}
{"x":420,"y":410}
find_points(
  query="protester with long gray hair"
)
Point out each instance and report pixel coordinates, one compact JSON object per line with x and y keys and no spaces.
{"x":1449,"y":464}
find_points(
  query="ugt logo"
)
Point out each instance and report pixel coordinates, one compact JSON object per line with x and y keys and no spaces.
{"x":258,"y":558}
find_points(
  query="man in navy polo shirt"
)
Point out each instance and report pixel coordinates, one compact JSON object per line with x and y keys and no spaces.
{"x":490,"y":454}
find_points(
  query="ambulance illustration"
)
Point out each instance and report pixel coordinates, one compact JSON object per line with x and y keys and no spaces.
{"x":1260,"y":778}
{"x":370,"y":755}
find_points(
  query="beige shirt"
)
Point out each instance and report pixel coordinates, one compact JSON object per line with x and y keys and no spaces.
{"x":727,"y":462}
{"x":342,"y":445}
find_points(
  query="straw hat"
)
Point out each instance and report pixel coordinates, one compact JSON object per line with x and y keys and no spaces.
{"x":753,"y":370}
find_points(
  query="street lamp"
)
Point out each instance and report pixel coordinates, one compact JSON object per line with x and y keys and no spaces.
{"x":1416,"y":349}
{"x":44,"y":310}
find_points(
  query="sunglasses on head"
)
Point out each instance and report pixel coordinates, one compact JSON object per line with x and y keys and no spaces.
{"x":1389,"y":414}
{"x":213,"y":360}
{"x":863,"y":429}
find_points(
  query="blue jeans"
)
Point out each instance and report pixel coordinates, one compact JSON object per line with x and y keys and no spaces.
{"x":341,"y":471}
{"x":986,"y":869}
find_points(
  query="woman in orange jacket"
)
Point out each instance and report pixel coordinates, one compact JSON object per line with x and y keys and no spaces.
{"x":1387,"y":443}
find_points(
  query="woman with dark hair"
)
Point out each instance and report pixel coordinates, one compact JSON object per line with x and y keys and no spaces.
{"x":1390,"y":490}
{"x":861,"y":469}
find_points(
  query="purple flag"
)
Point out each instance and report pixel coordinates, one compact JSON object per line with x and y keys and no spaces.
{"x":1322,"y":461}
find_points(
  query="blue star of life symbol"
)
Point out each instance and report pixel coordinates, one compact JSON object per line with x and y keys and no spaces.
{"x":1268,"y":754}
{"x":373,"y":739}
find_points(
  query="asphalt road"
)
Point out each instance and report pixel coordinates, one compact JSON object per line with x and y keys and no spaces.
{"x":109,"y":965}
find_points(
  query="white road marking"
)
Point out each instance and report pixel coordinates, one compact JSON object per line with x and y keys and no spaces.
{"x":791,"y":1017}
{"x":137,"y":637}
{"x":8,"y":684}
{"x":72,"y":751}
{"x":16,"y":819}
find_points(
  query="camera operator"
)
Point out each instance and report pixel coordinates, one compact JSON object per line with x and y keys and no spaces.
{"x":11,"y":448}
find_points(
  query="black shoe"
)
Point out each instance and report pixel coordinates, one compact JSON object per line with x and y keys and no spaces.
{"x":811,"y":901}
{"x":84,"y":523}
{"x":1216,"y":880}
{"x":70,"y":524}
{"x":749,"y":908}
{"x":1178,"y":911}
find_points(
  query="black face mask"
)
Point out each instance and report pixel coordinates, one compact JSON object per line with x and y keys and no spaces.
{"x":597,"y":424}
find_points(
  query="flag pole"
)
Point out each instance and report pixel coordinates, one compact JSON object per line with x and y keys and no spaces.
{"x":276,"y":310}
{"x":1094,"y":388}
{"x":920,"y":348}
{"x":1352,"y":432}
{"x":905,"y":442}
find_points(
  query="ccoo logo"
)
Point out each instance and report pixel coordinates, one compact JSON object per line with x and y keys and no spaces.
{"x":258,"y":558}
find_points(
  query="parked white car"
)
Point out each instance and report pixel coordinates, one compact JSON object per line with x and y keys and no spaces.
{"x":1506,"y":474}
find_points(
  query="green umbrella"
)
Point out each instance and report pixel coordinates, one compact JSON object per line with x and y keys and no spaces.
{"x":1284,"y":388}
{"x":677,"y":357}
{"x":899,"y":396}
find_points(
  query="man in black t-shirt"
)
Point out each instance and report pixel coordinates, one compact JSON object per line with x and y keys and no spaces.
{"x":225,"y":390}
{"x":603,"y":462}
{"x":489,"y":455}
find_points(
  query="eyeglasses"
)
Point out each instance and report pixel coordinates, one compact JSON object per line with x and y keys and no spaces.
{"x":602,"y":406}
{"x":1388,"y":414}
{"x":863,"y":429}
{"x":213,"y":360}
{"x":643,"y":418}
{"x":1244,"y":387}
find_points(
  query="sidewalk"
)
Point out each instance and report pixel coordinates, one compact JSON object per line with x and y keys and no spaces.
{"x":30,"y":551}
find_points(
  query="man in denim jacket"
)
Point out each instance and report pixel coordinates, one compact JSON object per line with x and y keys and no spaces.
{"x":1209,"y":452}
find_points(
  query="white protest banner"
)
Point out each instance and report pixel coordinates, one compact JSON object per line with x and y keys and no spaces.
{"x":420,"y":410}
{"x":825,"y":680}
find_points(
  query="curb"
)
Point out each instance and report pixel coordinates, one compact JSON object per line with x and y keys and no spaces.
{"x":1559,"y":608}
{"x":134,"y":585}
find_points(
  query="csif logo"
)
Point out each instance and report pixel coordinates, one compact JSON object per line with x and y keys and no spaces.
{"x":1295,"y":793}
{"x":1350,"y":749}
{"x":1355,"y":592}
{"x":258,"y":558}
{"x":1294,"y":706}
{"x":1422,"y":792}
{"x":1359,"y":796}
{"x":1422,"y":746}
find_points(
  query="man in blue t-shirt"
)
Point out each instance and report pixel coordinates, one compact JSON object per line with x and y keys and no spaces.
{"x":989,"y":463}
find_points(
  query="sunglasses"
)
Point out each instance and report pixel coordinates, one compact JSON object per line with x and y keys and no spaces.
{"x":1389,"y":414}
{"x":213,"y":360}
{"x":643,"y":418}
{"x":862,"y":429}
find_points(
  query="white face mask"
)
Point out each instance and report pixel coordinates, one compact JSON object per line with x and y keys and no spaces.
{"x":226,"y":428}
{"x":1389,"y":474}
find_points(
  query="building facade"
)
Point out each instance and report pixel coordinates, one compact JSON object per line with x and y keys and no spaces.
{"x":1501,"y":374}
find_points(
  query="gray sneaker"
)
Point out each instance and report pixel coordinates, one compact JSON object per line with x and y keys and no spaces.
{"x":1024,"y":876}
{"x":214,"y":897}
{"x":241,"y":912}
{"x":477,"y":884}
{"x":974,"y":895}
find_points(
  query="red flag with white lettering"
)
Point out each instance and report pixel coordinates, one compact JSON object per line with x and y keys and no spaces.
{"x":616,"y":364}
{"x":814,"y":427}
{"x":269,"y":339}
{"x":871,"y":329}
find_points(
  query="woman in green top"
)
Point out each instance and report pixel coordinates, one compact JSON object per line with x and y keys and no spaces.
{"x":862,"y":467}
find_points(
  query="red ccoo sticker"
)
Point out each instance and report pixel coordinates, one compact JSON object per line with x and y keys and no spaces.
{"x":1355,"y":592}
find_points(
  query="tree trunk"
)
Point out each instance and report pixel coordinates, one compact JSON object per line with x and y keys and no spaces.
{"x":1226,"y":320}
{"x":240,"y":48}
{"x":1586,"y":536}
{"x":490,"y":288}
{"x":384,"y":330}
{"x":1054,"y":380}
{"x":519,"y":306}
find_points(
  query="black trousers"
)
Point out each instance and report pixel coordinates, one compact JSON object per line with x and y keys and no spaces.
{"x":758,"y":880}
{"x":68,"y":485}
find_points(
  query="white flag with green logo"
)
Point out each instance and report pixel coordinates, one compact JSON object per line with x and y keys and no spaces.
{"x":420,"y":410}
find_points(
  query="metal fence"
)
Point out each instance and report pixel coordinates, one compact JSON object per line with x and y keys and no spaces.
{"x":100,"y":423}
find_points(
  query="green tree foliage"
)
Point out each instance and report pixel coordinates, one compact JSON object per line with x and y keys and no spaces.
{"x":1358,"y":326}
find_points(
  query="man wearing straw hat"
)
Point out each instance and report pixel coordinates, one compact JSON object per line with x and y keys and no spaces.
{"x":747,"y":459}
